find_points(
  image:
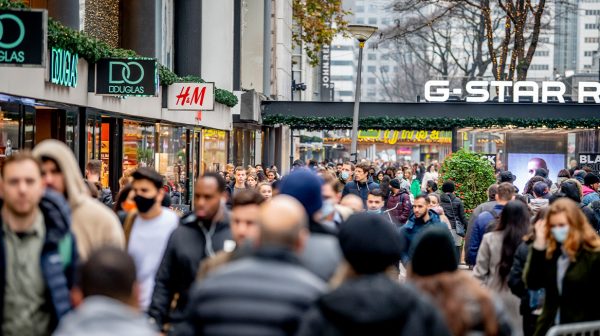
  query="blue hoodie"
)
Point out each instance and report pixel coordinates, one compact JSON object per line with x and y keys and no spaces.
{"x":410,"y":231}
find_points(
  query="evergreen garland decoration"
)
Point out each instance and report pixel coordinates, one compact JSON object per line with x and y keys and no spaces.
{"x":400,"y":123}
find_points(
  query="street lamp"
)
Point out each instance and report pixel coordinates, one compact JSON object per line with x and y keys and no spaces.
{"x":362,"y":33}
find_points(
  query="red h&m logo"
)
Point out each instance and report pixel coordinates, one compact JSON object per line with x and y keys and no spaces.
{"x":197,"y":97}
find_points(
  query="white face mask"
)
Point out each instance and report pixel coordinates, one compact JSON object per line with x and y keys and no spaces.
{"x":560,"y":233}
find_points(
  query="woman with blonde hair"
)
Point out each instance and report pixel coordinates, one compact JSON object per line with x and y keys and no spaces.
{"x":565,"y":261}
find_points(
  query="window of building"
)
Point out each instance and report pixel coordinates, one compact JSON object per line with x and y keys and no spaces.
{"x":591,"y":40}
{"x":371,"y":80}
{"x":372,"y":20}
{"x":591,"y":26}
{"x":589,"y":53}
{"x":541,"y":53}
{"x":360,"y":20}
{"x":371,"y":69}
{"x":360,"y":9}
{"x":384,"y":68}
{"x":345,"y":93}
{"x":592,"y":12}
{"x":338,"y":62}
{"x":539,"y":67}
{"x":372,"y":57}
{"x":544,"y":40}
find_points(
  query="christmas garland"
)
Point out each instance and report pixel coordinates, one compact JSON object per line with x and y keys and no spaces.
{"x":91,"y":49}
{"x":399,"y":123}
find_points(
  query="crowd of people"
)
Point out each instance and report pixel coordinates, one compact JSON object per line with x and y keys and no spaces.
{"x":327,"y":249}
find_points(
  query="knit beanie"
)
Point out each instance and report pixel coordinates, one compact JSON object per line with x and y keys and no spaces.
{"x":369,"y":243}
{"x":395,"y":184}
{"x":434,"y":253}
{"x":305,"y":186}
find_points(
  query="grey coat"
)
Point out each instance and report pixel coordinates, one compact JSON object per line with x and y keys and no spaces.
{"x":265,"y":294}
{"x":322,"y":255}
{"x":103,"y":316}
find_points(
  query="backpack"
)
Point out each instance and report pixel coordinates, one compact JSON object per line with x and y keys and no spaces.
{"x":494,"y":222}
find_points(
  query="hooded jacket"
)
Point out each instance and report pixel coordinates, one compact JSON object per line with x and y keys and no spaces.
{"x":453,"y":209}
{"x":589,"y":195}
{"x":185,"y":250}
{"x":58,"y":259}
{"x":93,"y":224}
{"x":399,"y":206}
{"x":412,"y":229}
{"x":572,"y":191}
{"x":538,"y":204}
{"x":360,"y":189}
{"x":99,"y":316}
{"x":373,"y":305}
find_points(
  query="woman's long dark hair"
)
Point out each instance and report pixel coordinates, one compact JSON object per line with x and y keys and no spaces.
{"x":121,"y":197}
{"x":514,"y":222}
{"x":385,"y":186}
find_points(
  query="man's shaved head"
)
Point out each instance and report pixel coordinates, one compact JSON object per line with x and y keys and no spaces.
{"x":283,"y":222}
{"x":353,"y":202}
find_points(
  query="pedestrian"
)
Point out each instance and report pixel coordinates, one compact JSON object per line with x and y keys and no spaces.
{"x":489,"y":219}
{"x":332,"y":213}
{"x":496,"y":255}
{"x":380,"y":176}
{"x":230,"y":169}
{"x":125,"y":203}
{"x":563,"y":175}
{"x":366,"y":300}
{"x":398,"y":204}
{"x":455,"y":211}
{"x":590,"y":189}
{"x":263,"y":294}
{"x":266,"y":190}
{"x":564,"y":260}
{"x":431,"y":187}
{"x":93,"y":224}
{"x":107,"y":297}
{"x":238,"y":185}
{"x":413,"y":181}
{"x":468,"y":308}
{"x":37,"y":250}
{"x":531,"y":300}
{"x":508,"y":177}
{"x":148,"y":229}
{"x":322,"y":254}
{"x":528,"y":191}
{"x":347,"y":172}
{"x":361,"y":186}
{"x":434,"y":204}
{"x":375,"y":202}
{"x":199,"y":235}
{"x":384,"y":186}
{"x":483,"y":207}
{"x":271,"y":176}
{"x":353,"y":202}
{"x":421,"y":219}
{"x":93,"y":171}
{"x":572,"y":189}
{"x":541,"y":192}
{"x":430,"y":175}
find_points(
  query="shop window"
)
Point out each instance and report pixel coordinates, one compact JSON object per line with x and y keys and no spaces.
{"x":9,"y":132}
{"x":138,"y":145}
{"x":214,"y":150}
{"x":171,"y":154}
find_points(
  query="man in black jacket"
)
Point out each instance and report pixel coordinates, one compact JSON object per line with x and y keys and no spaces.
{"x":264,"y":294}
{"x":93,"y":171}
{"x":200,"y":235}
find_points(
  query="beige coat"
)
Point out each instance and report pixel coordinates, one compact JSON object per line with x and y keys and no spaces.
{"x":93,"y":224}
{"x":486,"y":270}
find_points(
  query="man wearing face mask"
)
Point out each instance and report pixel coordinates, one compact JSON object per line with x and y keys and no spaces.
{"x":148,"y":230}
{"x":346,"y":173}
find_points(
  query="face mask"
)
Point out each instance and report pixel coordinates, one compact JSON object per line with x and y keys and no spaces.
{"x":560,"y":233}
{"x":128,"y":206}
{"x":144,"y":204}
{"x":345,"y":175}
{"x":327,"y":209}
{"x":378,"y":211}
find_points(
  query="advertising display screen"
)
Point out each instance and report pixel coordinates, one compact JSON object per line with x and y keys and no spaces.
{"x":523,"y":166}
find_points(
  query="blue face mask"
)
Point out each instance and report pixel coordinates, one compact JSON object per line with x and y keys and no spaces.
{"x":378,"y":211}
{"x":560,"y":233}
{"x":345,"y":175}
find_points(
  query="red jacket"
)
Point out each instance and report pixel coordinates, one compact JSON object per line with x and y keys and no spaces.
{"x":399,"y":206}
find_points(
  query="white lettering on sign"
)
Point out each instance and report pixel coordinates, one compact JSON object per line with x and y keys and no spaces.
{"x":191,"y":96}
{"x":479,"y":91}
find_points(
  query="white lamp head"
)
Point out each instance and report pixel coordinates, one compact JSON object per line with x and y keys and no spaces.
{"x":362,"y":32}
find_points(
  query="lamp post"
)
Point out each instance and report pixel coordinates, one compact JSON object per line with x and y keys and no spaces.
{"x":362,"y":33}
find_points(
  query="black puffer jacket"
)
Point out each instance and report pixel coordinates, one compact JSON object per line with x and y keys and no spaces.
{"x":264,"y":294}
{"x":453,"y":209}
{"x":373,"y":305}
{"x":184,"y":252}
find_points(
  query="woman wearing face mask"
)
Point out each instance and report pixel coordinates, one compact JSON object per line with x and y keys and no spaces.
{"x":565,"y":261}
{"x":124,"y":203}
{"x":434,"y":204}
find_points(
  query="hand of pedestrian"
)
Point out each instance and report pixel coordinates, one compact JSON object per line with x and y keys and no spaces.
{"x":540,"y":235}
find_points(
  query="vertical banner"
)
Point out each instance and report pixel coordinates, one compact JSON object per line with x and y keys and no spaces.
{"x":326,"y":89}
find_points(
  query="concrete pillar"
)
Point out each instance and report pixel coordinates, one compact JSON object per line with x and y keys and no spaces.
{"x":139,"y":26}
{"x":188,"y":37}
{"x":65,"y":11}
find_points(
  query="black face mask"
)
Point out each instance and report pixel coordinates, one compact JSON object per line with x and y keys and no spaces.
{"x":144,"y":204}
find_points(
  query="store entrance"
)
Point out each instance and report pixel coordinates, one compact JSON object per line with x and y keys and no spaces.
{"x":50,"y":124}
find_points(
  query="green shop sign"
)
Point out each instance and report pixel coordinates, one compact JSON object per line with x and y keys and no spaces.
{"x":23,"y":37}
{"x":127,"y":77}
{"x":63,"y":67}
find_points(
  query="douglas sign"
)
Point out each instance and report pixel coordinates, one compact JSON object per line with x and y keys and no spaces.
{"x":479,"y":91}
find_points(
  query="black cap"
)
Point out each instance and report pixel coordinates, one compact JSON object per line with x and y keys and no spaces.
{"x":395,"y":183}
{"x":369,"y":243}
{"x":506,"y":176}
{"x":434,"y":253}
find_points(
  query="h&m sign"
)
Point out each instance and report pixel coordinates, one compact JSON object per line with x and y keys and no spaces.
{"x":191,"y":97}
{"x":23,"y":37}
{"x":127,"y":77}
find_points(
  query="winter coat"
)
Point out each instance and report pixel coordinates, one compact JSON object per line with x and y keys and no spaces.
{"x":106,"y":197}
{"x":589,"y":195}
{"x":410,"y":231}
{"x":399,"y":206}
{"x":93,"y":223}
{"x":515,"y":278}
{"x":373,"y":305}
{"x":58,"y":259}
{"x":415,"y":187}
{"x":487,"y":271}
{"x":184,"y":252}
{"x":429,"y":177}
{"x":360,"y":189}
{"x":483,"y":207}
{"x":100,"y":316}
{"x":265,"y":294}
{"x":453,"y":209}
{"x":480,"y":227}
{"x":322,"y":254}
{"x":538,"y":204}
{"x":579,"y":302}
